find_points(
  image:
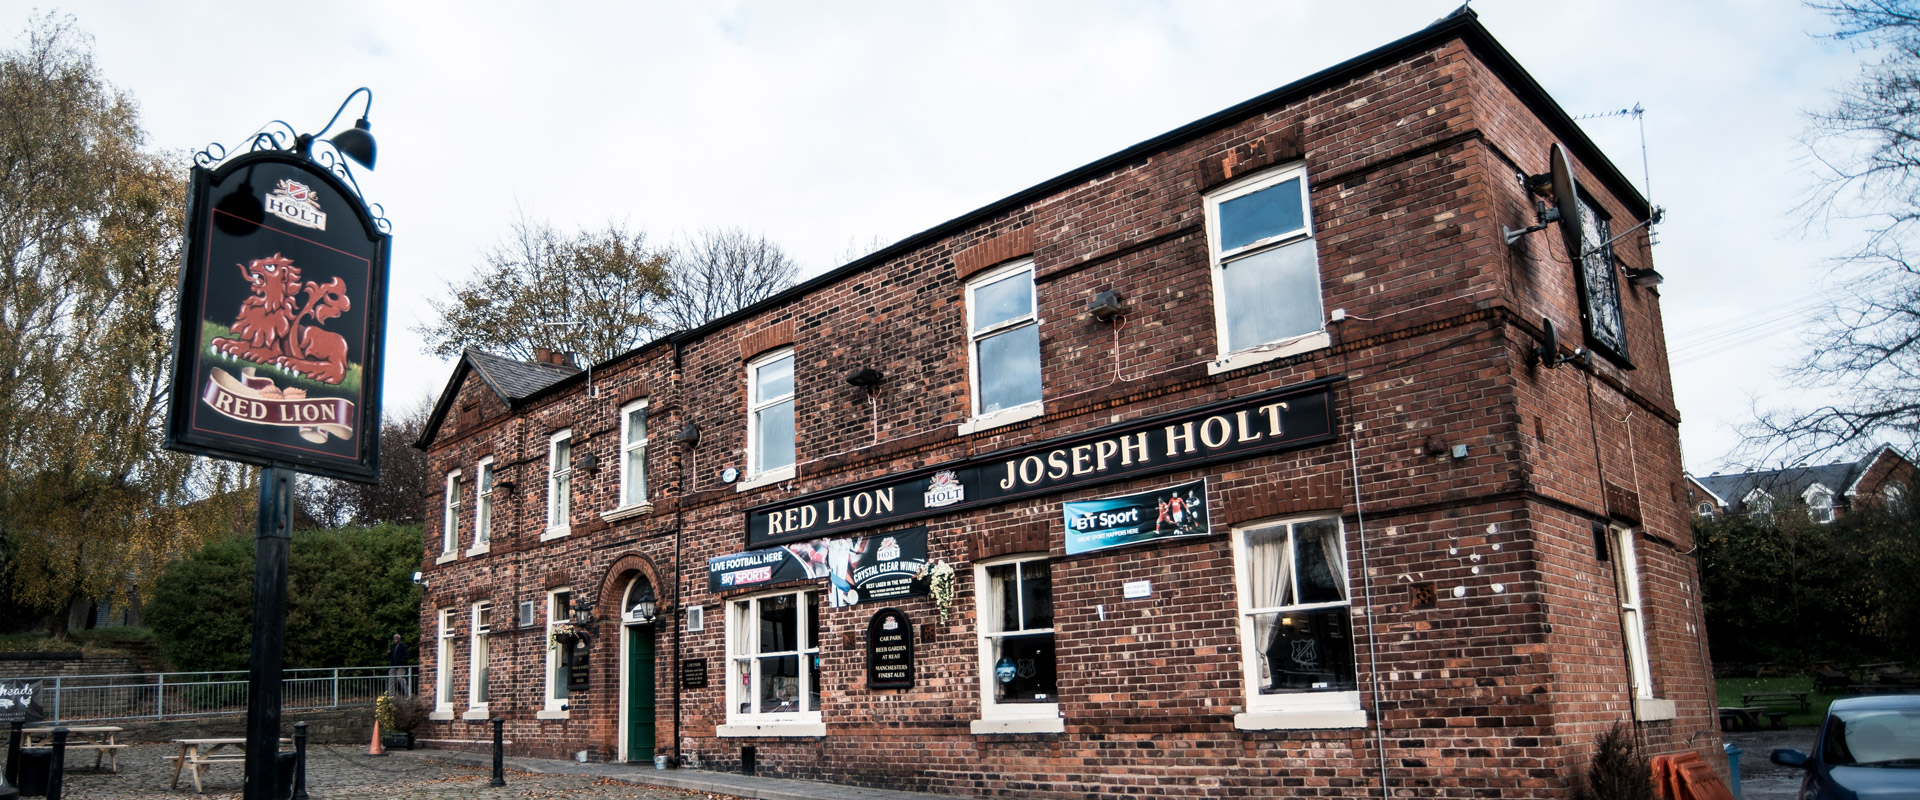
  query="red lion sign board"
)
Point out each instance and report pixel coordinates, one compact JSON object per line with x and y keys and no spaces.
{"x":282,"y":303}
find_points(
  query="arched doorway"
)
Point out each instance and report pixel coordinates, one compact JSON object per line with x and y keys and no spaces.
{"x":637,"y":685}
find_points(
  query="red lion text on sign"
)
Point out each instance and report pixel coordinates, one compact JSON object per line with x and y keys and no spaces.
{"x":268,"y":331}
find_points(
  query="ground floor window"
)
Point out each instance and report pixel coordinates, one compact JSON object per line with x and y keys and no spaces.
{"x":1296,"y":616}
{"x":559,"y":643}
{"x":773,"y":646}
{"x":1018,"y":675}
{"x":477,"y":693}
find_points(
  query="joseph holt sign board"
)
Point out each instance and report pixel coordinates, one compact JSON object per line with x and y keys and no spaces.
{"x":277,"y":348}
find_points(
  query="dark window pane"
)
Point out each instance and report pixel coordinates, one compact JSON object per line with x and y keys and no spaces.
{"x":779,"y":684}
{"x":1316,"y":549}
{"x":1036,"y":594}
{"x":779,"y":625}
{"x":1024,"y":670}
{"x":812,"y":600}
{"x":1264,"y":214}
{"x":1305,"y":651}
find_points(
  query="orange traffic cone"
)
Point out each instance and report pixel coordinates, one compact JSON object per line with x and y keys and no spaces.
{"x":376,"y":750}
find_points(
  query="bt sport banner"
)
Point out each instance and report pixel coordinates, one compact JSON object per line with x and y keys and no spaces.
{"x":858,"y":569}
{"x":1131,"y":519}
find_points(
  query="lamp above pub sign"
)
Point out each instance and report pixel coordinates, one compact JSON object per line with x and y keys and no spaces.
{"x":277,"y":348}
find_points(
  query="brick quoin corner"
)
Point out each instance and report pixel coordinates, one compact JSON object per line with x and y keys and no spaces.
{"x":1480,"y":566}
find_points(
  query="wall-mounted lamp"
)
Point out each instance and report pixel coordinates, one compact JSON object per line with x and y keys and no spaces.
{"x":508,"y":487}
{"x":1644,"y":277}
{"x":583,"y":616}
{"x":689,"y":435}
{"x":644,"y":607}
{"x":587,"y":461}
{"x":1105,"y":306}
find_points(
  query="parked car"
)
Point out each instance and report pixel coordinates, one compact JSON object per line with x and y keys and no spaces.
{"x":1868,"y":748}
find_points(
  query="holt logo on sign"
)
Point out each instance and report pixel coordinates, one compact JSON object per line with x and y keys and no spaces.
{"x":295,"y":202}
{"x":945,"y":489}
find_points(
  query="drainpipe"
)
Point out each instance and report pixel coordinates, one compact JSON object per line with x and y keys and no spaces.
{"x":679,"y":532}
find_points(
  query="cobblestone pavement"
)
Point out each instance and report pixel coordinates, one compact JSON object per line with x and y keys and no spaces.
{"x":342,"y":771}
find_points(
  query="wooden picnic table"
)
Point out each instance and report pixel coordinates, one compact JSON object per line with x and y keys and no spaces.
{"x":1768,"y":698}
{"x":98,"y":738}
{"x":198,"y":754}
{"x":1748,"y":717}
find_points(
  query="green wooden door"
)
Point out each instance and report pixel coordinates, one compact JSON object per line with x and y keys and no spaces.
{"x":640,"y":694}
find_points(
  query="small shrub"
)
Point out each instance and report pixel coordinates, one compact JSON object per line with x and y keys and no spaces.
{"x":1619,"y":772}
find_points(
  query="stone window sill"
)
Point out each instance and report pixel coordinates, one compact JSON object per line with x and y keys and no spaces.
{"x":1269,"y":352}
{"x":1299,"y":720}
{"x":1003,"y":417}
{"x":1041,"y":725}
{"x":767,"y":478}
{"x":480,"y":549}
{"x":441,"y":716}
{"x":1652,"y":709}
{"x":740,"y":729}
{"x":552,"y":713}
{"x":555,"y":533}
{"x":447,"y":557}
{"x":627,"y":512}
{"x":475,"y":712}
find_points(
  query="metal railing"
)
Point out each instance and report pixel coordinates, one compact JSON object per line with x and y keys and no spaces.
{"x":175,"y":695}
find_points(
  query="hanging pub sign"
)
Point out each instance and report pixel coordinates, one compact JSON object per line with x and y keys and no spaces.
{"x":890,"y":650}
{"x":277,"y":345}
{"x":1131,"y":519}
{"x":1282,"y":419}
{"x":858,"y":569}
{"x":20,"y":701}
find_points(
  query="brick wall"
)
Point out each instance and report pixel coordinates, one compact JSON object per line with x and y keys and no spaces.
{"x":1498,"y":685}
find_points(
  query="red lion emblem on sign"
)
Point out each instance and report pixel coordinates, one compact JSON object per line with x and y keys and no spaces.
{"x":268,"y":331}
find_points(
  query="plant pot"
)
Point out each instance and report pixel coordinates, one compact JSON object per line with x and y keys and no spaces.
{"x":397,"y":741}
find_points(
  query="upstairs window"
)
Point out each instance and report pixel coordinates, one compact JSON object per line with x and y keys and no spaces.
{"x":1004,"y":342}
{"x":1759,"y":504}
{"x":450,"y":522}
{"x":633,"y":454}
{"x":1266,"y":269}
{"x":483,"y":505}
{"x":1896,"y":498}
{"x":559,"y":483}
{"x":1819,"y":503}
{"x":1599,"y":283}
{"x":770,"y":412}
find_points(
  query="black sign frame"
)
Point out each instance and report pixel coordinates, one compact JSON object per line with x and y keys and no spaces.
{"x":216,"y":208}
{"x":890,"y":651}
{"x":579,"y":666}
{"x":693,"y":673}
{"x":841,"y":509}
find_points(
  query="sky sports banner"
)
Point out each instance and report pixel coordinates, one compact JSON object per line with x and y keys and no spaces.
{"x":1131,"y":519}
{"x":858,"y":569}
{"x":1282,"y":419}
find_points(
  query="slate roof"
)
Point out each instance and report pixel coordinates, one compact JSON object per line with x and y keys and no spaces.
{"x":1788,"y":484}
{"x":514,"y":381}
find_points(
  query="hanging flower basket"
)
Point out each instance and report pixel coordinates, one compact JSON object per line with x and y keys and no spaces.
{"x":940,"y":581}
{"x":564,"y":635}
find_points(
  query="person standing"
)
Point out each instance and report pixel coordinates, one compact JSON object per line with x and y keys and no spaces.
{"x":397,"y":658}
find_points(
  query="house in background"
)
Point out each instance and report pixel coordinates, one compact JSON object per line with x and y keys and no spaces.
{"x":1827,"y":490}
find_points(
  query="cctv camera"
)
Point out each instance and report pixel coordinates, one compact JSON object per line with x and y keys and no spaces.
{"x":419,"y":580}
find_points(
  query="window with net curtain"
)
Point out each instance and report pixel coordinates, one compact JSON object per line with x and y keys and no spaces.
{"x":1296,"y":611}
{"x":776,"y":655}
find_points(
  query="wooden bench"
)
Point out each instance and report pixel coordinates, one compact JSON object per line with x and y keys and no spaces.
{"x":199,"y":754}
{"x":1771,"y":698}
{"x":98,"y":738}
{"x":1738,"y":718}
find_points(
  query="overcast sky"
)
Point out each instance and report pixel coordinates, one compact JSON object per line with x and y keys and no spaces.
{"x":826,"y":124}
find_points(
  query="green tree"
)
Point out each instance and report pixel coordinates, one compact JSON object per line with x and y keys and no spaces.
{"x":89,"y":225}
{"x":1783,"y":588}
{"x":592,"y":292}
{"x":348,"y":591}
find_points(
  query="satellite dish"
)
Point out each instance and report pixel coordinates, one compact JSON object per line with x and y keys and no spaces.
{"x":1549,"y":343}
{"x":1566,"y":199}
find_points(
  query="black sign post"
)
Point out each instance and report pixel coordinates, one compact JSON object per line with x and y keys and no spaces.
{"x":277,"y":353}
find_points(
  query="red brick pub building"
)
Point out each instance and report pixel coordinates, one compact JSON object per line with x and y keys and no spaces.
{"x":1226,"y":465}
